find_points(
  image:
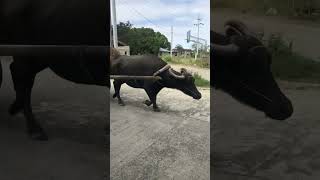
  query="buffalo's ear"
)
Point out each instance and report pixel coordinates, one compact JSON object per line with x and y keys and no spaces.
{"x":231,"y":31}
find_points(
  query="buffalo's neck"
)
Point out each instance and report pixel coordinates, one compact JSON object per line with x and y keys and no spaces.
{"x":168,"y":82}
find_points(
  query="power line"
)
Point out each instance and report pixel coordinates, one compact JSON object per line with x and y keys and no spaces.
{"x":124,"y":2}
{"x":169,"y":10}
{"x":147,"y":19}
{"x":167,"y":32}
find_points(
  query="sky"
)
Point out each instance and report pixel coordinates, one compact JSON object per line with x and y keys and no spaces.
{"x":160,"y":15}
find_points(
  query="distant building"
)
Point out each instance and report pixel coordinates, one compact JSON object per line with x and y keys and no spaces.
{"x":176,"y":52}
{"x":123,"y":48}
{"x":182,"y":52}
{"x":163,"y":52}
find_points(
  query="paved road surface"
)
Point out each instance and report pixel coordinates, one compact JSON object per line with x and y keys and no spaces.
{"x":248,"y":146}
{"x":73,"y":115}
{"x":172,"y":144}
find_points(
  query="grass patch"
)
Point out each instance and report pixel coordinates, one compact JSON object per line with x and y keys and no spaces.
{"x":200,"y":81}
{"x":201,"y":62}
{"x":294,"y":67}
{"x":283,"y":8}
{"x":291,"y":66}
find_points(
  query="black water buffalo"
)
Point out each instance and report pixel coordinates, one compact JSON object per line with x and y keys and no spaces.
{"x":0,"y":73}
{"x":148,"y":65}
{"x":241,"y":67}
{"x":75,"y":23}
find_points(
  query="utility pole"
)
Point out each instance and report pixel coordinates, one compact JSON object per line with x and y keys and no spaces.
{"x":198,"y":38}
{"x":171,"y":41}
{"x":114,"y":23}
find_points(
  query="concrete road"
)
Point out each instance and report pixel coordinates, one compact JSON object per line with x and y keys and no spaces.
{"x":74,"y":117}
{"x":172,"y":144}
{"x":145,"y":145}
{"x":248,"y":146}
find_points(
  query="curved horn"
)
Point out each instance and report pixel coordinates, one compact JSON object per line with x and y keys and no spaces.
{"x":230,"y":49}
{"x":175,"y":75}
{"x":237,"y":27}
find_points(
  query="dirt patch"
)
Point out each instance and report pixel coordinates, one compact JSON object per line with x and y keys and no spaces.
{"x":203,"y":72}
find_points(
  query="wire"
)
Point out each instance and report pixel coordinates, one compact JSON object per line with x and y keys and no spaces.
{"x":165,"y":29}
{"x":135,"y":11}
{"x":168,"y":11}
{"x":124,"y":2}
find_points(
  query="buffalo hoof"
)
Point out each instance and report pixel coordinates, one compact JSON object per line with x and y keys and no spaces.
{"x":15,"y":108}
{"x":156,"y":110}
{"x":121,"y":103}
{"x":147,"y":102}
{"x":114,"y":95}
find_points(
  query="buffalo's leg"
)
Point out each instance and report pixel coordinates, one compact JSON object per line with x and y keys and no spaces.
{"x":152,"y":94}
{"x":23,"y":75}
{"x":148,"y":102}
{"x":34,"y":128}
{"x":117,"y":86}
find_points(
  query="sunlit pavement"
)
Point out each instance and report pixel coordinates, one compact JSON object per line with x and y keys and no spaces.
{"x":171,"y":144}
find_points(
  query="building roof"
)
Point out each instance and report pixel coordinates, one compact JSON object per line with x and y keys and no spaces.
{"x":183,"y":50}
{"x":163,"y":50}
{"x":122,"y":43}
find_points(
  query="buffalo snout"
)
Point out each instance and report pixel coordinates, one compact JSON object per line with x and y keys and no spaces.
{"x":197,"y":96}
{"x":280,"y":110}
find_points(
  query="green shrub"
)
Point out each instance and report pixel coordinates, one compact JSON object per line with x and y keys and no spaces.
{"x":200,"y":81}
{"x":288,"y":65}
{"x":201,"y":62}
{"x":278,"y":45}
{"x":294,"y":67}
{"x":167,"y":58}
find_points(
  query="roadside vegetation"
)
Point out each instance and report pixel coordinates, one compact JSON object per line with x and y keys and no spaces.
{"x":200,"y":81}
{"x":189,"y":61}
{"x":299,"y":9}
{"x":288,"y":65}
{"x":202,"y":63}
{"x":141,"y":40}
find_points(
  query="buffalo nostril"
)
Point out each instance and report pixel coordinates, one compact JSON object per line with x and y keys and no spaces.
{"x":289,"y":109}
{"x":286,"y":110}
{"x":280,"y":110}
{"x":197,"y":96}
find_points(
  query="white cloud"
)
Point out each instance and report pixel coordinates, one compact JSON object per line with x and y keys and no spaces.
{"x":161,"y":14}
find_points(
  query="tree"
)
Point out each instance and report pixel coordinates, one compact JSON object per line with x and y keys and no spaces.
{"x":179,"y":48}
{"x":142,"y":40}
